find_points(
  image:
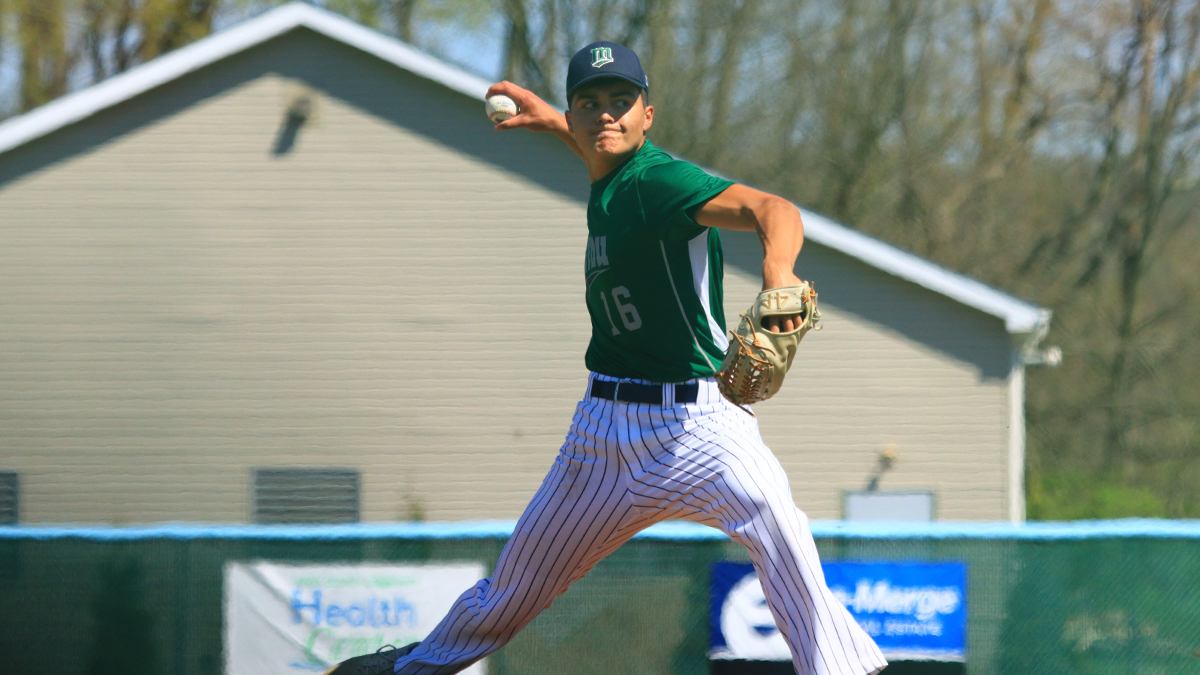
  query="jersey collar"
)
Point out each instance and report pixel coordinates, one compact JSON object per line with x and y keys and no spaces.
{"x":599,"y":186}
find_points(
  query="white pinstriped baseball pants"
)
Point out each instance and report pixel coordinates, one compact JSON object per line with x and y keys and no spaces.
{"x":624,"y":467}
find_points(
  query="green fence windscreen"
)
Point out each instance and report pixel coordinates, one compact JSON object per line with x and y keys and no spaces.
{"x":1097,"y":600}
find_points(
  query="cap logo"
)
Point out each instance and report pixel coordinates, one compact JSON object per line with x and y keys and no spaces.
{"x":601,"y":56}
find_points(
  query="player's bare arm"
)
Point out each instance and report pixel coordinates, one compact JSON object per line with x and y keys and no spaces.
{"x":779,"y":227}
{"x":534,"y":115}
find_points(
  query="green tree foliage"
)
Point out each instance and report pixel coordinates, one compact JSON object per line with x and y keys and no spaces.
{"x":1046,"y":147}
{"x":56,"y":38}
{"x":61,"y":44}
{"x":44,"y":58}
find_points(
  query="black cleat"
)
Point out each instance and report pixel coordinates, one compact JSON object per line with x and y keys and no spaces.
{"x":382,"y":662}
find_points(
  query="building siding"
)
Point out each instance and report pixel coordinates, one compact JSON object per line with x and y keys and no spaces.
{"x":180,"y":306}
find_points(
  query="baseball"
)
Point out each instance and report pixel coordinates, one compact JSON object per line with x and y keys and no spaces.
{"x":500,"y":108}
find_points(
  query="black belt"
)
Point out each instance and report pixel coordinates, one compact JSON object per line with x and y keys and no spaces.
{"x":632,"y":392}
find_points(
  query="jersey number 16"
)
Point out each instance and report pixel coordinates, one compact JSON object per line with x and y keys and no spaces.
{"x":628,"y":313}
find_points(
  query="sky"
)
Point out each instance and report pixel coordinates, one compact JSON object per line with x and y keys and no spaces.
{"x":8,"y":77}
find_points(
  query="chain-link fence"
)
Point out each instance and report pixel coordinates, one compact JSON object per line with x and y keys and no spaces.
{"x":1118,"y":597}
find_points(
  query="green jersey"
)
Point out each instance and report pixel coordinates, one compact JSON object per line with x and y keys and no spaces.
{"x":653,"y":274}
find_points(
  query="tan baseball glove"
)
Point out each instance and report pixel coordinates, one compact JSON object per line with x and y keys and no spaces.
{"x":757,"y":359}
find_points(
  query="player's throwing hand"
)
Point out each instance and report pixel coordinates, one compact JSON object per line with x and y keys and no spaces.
{"x":534,"y":115}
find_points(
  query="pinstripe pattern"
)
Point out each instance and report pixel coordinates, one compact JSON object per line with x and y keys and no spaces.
{"x":623,"y":468}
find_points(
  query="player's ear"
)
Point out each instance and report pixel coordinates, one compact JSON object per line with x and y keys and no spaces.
{"x":567,"y":114}
{"x":649,"y":118}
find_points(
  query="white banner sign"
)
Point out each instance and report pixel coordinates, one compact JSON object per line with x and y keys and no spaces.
{"x":302,"y":619}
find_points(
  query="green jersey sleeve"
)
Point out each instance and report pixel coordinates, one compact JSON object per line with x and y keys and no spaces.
{"x":669,"y":190}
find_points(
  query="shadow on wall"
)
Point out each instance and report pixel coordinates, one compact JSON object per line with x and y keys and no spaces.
{"x":293,"y":119}
{"x":917,"y":313}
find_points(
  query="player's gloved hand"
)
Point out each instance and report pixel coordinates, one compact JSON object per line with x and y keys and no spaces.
{"x":781,"y":324}
{"x":757,"y":357}
{"x":534,"y":115}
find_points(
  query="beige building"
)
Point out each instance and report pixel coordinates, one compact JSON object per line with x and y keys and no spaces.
{"x":298,"y":244}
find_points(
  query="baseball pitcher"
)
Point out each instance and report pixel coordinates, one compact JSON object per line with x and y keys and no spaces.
{"x":664,"y":429}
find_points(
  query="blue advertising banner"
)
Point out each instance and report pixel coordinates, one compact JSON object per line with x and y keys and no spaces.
{"x":913,"y":611}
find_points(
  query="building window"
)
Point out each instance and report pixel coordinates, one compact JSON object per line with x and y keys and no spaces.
{"x":306,"y":496}
{"x":8,"y":498}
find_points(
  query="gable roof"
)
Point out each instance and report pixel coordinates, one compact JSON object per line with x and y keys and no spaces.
{"x":1018,"y":316}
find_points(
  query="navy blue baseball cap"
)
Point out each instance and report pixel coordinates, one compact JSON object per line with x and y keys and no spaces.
{"x":604,"y":59}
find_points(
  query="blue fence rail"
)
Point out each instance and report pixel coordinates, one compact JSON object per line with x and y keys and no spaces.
{"x":668,"y":531}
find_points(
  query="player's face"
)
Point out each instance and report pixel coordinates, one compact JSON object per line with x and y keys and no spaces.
{"x":609,"y":118}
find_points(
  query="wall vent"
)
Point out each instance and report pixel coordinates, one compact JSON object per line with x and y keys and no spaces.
{"x":9,"y":513}
{"x":306,"y":496}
